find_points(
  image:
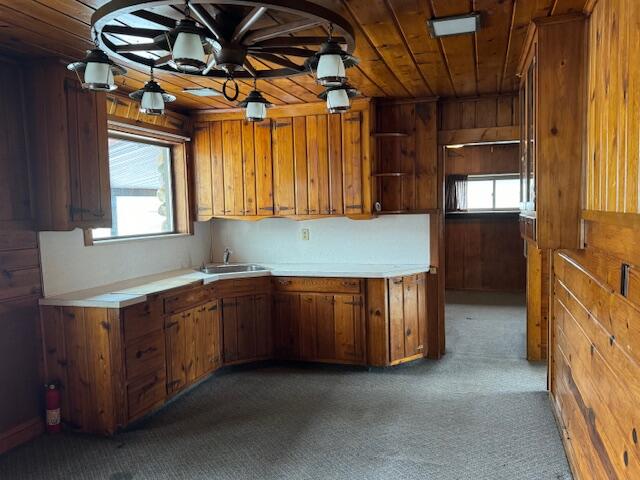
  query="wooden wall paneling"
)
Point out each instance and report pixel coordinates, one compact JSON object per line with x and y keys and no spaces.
{"x":264,"y":168}
{"x":202,"y":160}
{"x":300,"y":148}
{"x":352,"y":162}
{"x":283,"y":167}
{"x":335,"y":165}
{"x":537,"y":301}
{"x":482,"y":160}
{"x":249,"y":168}
{"x":426,"y":168}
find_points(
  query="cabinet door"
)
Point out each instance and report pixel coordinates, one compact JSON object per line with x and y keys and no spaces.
{"x":190,"y":321}
{"x":349,"y":328}
{"x":246,"y":321}
{"x":88,"y":157}
{"x":286,"y":325}
{"x":335,"y":165}
{"x":326,"y":328}
{"x":352,"y":162}
{"x":308,"y":327}
{"x":232,"y":167}
{"x":264,"y":330}
{"x":264,"y":168}
{"x":396,"y":319}
{"x":229,"y":330}
{"x":202,"y":171}
{"x":407,"y":316}
{"x":207,"y":338}
{"x":217,"y":169}
{"x":300,"y":165}
{"x":176,"y":347}
{"x":249,"y":168}
{"x":318,"y":165}
{"x":283,"y":167}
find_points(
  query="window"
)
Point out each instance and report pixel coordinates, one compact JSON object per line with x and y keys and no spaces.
{"x":141,"y":189}
{"x":494,"y":192}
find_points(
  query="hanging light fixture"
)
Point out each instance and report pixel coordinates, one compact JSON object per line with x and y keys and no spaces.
{"x":255,"y":105}
{"x":97,"y":71}
{"x":330,"y":62}
{"x":338,"y":97}
{"x":188,"y":47}
{"x":152,"y":97}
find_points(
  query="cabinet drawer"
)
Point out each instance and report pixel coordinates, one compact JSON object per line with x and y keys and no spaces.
{"x":145,"y":356}
{"x":142,"y":319}
{"x":528,"y":228}
{"x":240,"y":287}
{"x":144,"y":394}
{"x":319,"y":285}
{"x":186,"y":299}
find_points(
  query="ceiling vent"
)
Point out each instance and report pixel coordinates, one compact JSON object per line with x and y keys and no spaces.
{"x":202,"y":92}
{"x":456,"y":25}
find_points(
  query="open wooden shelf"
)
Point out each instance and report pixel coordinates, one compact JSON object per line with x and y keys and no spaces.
{"x":390,"y":134}
{"x":390,"y":174}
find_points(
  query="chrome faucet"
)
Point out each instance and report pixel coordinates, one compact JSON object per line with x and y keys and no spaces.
{"x":226,"y":256}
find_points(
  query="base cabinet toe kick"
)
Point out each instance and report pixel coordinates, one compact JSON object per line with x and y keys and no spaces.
{"x":114,"y":366}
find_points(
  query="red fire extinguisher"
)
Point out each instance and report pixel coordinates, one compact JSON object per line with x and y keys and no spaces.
{"x":52,"y":400}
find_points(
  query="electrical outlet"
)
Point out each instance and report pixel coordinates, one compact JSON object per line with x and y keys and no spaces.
{"x":305,"y":234}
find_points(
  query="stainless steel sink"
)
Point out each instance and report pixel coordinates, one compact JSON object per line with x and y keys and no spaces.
{"x":213,"y":269}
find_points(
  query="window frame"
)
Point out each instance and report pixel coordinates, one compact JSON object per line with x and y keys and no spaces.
{"x":493,"y":178}
{"x":120,"y":135}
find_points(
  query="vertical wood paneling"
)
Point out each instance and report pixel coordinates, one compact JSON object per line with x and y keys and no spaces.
{"x":300,"y":165}
{"x":283,"y":167}
{"x":264,"y":168}
{"x":217,"y":168}
{"x":249,"y":168}
{"x":335,"y":165}
{"x":202,"y":171}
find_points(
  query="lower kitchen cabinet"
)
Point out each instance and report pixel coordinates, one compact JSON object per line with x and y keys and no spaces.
{"x":246,"y":328}
{"x":114,"y":366}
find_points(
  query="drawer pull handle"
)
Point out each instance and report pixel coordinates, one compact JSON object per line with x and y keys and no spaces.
{"x":397,"y":282}
{"x":353,"y":303}
{"x":353,"y":206}
{"x":284,"y":282}
{"x":140,"y":353}
{"x":269,"y":209}
{"x":213,"y":309}
{"x":172,"y":324}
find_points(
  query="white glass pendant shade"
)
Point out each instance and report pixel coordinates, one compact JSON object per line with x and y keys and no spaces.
{"x":152,"y":103}
{"x":98,"y":74}
{"x":338,"y":101}
{"x":256,"y":111}
{"x":331,"y":70}
{"x":188,"y":47}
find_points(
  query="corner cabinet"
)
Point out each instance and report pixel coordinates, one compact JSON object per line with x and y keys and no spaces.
{"x":552,"y":105}
{"x":69,"y":149}
{"x":301,"y":163}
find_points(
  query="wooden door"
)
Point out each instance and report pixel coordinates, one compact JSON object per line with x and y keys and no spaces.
{"x":246,"y":322}
{"x":229,"y":330}
{"x":352,"y":162}
{"x":283,"y":167}
{"x":396,"y":319}
{"x":326,"y":328}
{"x":286,"y":308}
{"x":233,"y":167}
{"x":407,"y":317}
{"x":88,"y":157}
{"x":176,"y":347}
{"x":249,"y":168}
{"x":264,"y":168}
{"x":308,"y":327}
{"x":317,"y":165}
{"x":264,"y":330}
{"x":202,"y":171}
{"x":300,"y":165}
{"x":191,"y":320}
{"x":349,"y":328}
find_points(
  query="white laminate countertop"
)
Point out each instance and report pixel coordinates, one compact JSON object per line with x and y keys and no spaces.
{"x":131,"y":292}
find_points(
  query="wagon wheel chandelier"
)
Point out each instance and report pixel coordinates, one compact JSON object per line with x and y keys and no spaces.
{"x":227,"y":40}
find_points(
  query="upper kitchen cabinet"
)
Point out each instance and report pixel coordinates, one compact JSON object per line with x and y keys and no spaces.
{"x":406,"y":164}
{"x":301,"y":162}
{"x":552,"y":102}
{"x":69,"y":149}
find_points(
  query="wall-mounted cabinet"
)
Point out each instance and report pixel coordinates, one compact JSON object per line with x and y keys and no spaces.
{"x":69,"y":149}
{"x":552,"y":95}
{"x":406,"y":160}
{"x":298,"y":163}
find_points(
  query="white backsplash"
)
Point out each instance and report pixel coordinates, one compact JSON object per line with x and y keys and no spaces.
{"x":388,"y":239}
{"x":67,"y":265}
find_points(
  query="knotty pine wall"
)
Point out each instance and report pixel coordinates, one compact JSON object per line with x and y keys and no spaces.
{"x":595,"y":326}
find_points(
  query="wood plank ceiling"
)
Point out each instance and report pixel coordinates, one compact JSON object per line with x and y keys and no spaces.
{"x":397,"y":56}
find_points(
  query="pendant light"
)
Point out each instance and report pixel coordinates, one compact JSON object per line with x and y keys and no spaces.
{"x":96,"y":72}
{"x":152,"y":97}
{"x":339,"y":97}
{"x":188,"y":48}
{"x":330,"y":63}
{"x":255,"y":105}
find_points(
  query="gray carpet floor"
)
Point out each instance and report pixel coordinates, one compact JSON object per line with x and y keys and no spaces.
{"x":480,"y":413}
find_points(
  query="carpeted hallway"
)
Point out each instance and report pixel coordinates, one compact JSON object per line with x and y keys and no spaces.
{"x":480,"y":413}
